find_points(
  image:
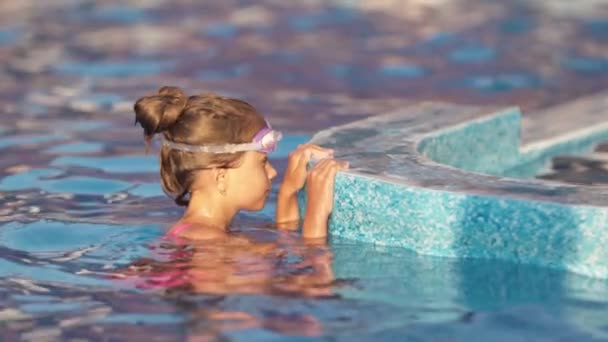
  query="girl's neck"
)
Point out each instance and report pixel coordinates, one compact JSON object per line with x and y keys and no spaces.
{"x":208,"y":211}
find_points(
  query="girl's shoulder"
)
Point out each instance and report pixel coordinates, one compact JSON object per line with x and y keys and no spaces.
{"x":194,"y":231}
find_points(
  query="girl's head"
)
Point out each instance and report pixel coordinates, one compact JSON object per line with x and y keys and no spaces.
{"x":242,"y":178}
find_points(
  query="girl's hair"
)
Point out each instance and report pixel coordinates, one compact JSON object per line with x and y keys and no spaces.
{"x":195,"y":120}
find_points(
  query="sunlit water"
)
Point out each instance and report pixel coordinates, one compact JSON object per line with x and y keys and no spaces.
{"x":82,"y":213}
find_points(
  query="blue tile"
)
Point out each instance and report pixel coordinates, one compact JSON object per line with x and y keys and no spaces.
{"x":430,"y":178}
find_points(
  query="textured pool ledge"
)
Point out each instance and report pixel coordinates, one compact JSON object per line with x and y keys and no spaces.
{"x":450,"y":180}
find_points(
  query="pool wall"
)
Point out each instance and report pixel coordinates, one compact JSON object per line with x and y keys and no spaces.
{"x":440,"y":179}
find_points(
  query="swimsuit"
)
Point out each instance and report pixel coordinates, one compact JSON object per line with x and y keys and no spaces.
{"x":174,"y":232}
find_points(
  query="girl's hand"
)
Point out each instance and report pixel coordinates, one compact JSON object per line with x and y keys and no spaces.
{"x":295,"y":174}
{"x":320,"y":197}
{"x":288,"y":215}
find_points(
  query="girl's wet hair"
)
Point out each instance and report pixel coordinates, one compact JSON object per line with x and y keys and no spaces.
{"x":194,"y":120}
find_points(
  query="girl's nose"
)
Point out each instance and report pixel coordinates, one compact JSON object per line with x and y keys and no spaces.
{"x":272,"y":173}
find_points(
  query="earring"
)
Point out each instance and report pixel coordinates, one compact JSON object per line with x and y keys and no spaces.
{"x":222,"y":191}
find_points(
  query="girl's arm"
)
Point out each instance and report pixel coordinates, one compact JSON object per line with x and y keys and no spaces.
{"x":288,"y":211}
{"x":320,"y":191}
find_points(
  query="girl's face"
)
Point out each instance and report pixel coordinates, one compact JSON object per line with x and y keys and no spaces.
{"x":250,"y":183}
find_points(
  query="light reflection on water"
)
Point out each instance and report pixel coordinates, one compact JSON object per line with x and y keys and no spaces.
{"x":90,"y":279}
{"x":82,"y":211}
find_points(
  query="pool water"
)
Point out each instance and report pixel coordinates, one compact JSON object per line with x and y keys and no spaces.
{"x":73,"y":269}
{"x":59,"y":283}
{"x":82,"y":214}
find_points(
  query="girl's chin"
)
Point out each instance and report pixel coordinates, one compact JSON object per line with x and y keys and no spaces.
{"x":259,"y":205}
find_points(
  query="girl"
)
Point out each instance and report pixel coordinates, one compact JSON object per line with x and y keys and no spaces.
{"x":214,"y":160}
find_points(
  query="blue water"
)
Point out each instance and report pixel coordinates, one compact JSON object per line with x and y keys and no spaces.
{"x":58,"y":273}
{"x":82,"y":211}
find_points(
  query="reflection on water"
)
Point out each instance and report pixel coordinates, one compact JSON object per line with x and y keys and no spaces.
{"x":82,"y":211}
{"x":90,"y":281}
{"x":284,"y":266}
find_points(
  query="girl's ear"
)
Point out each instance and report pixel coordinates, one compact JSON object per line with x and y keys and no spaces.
{"x":221,"y":180}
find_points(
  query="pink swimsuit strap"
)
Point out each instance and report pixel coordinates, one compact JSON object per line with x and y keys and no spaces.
{"x":178,"y":229}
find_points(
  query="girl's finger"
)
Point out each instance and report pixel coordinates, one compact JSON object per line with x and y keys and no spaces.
{"x":301,"y":159}
{"x":322,"y":165}
{"x":328,"y":168}
{"x":324,"y":170}
{"x":330,"y":175}
{"x":307,"y":152}
{"x":317,"y":150}
{"x":320,"y":155}
{"x":334,"y":165}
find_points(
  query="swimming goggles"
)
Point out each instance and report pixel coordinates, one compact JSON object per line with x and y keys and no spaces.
{"x":265,"y":140}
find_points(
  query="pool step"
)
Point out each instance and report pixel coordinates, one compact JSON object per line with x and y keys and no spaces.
{"x":438,"y":178}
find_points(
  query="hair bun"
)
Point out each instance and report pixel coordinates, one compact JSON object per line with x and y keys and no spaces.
{"x":159,"y":112}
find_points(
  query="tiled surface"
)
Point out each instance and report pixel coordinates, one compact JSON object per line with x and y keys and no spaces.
{"x":402,"y":191}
